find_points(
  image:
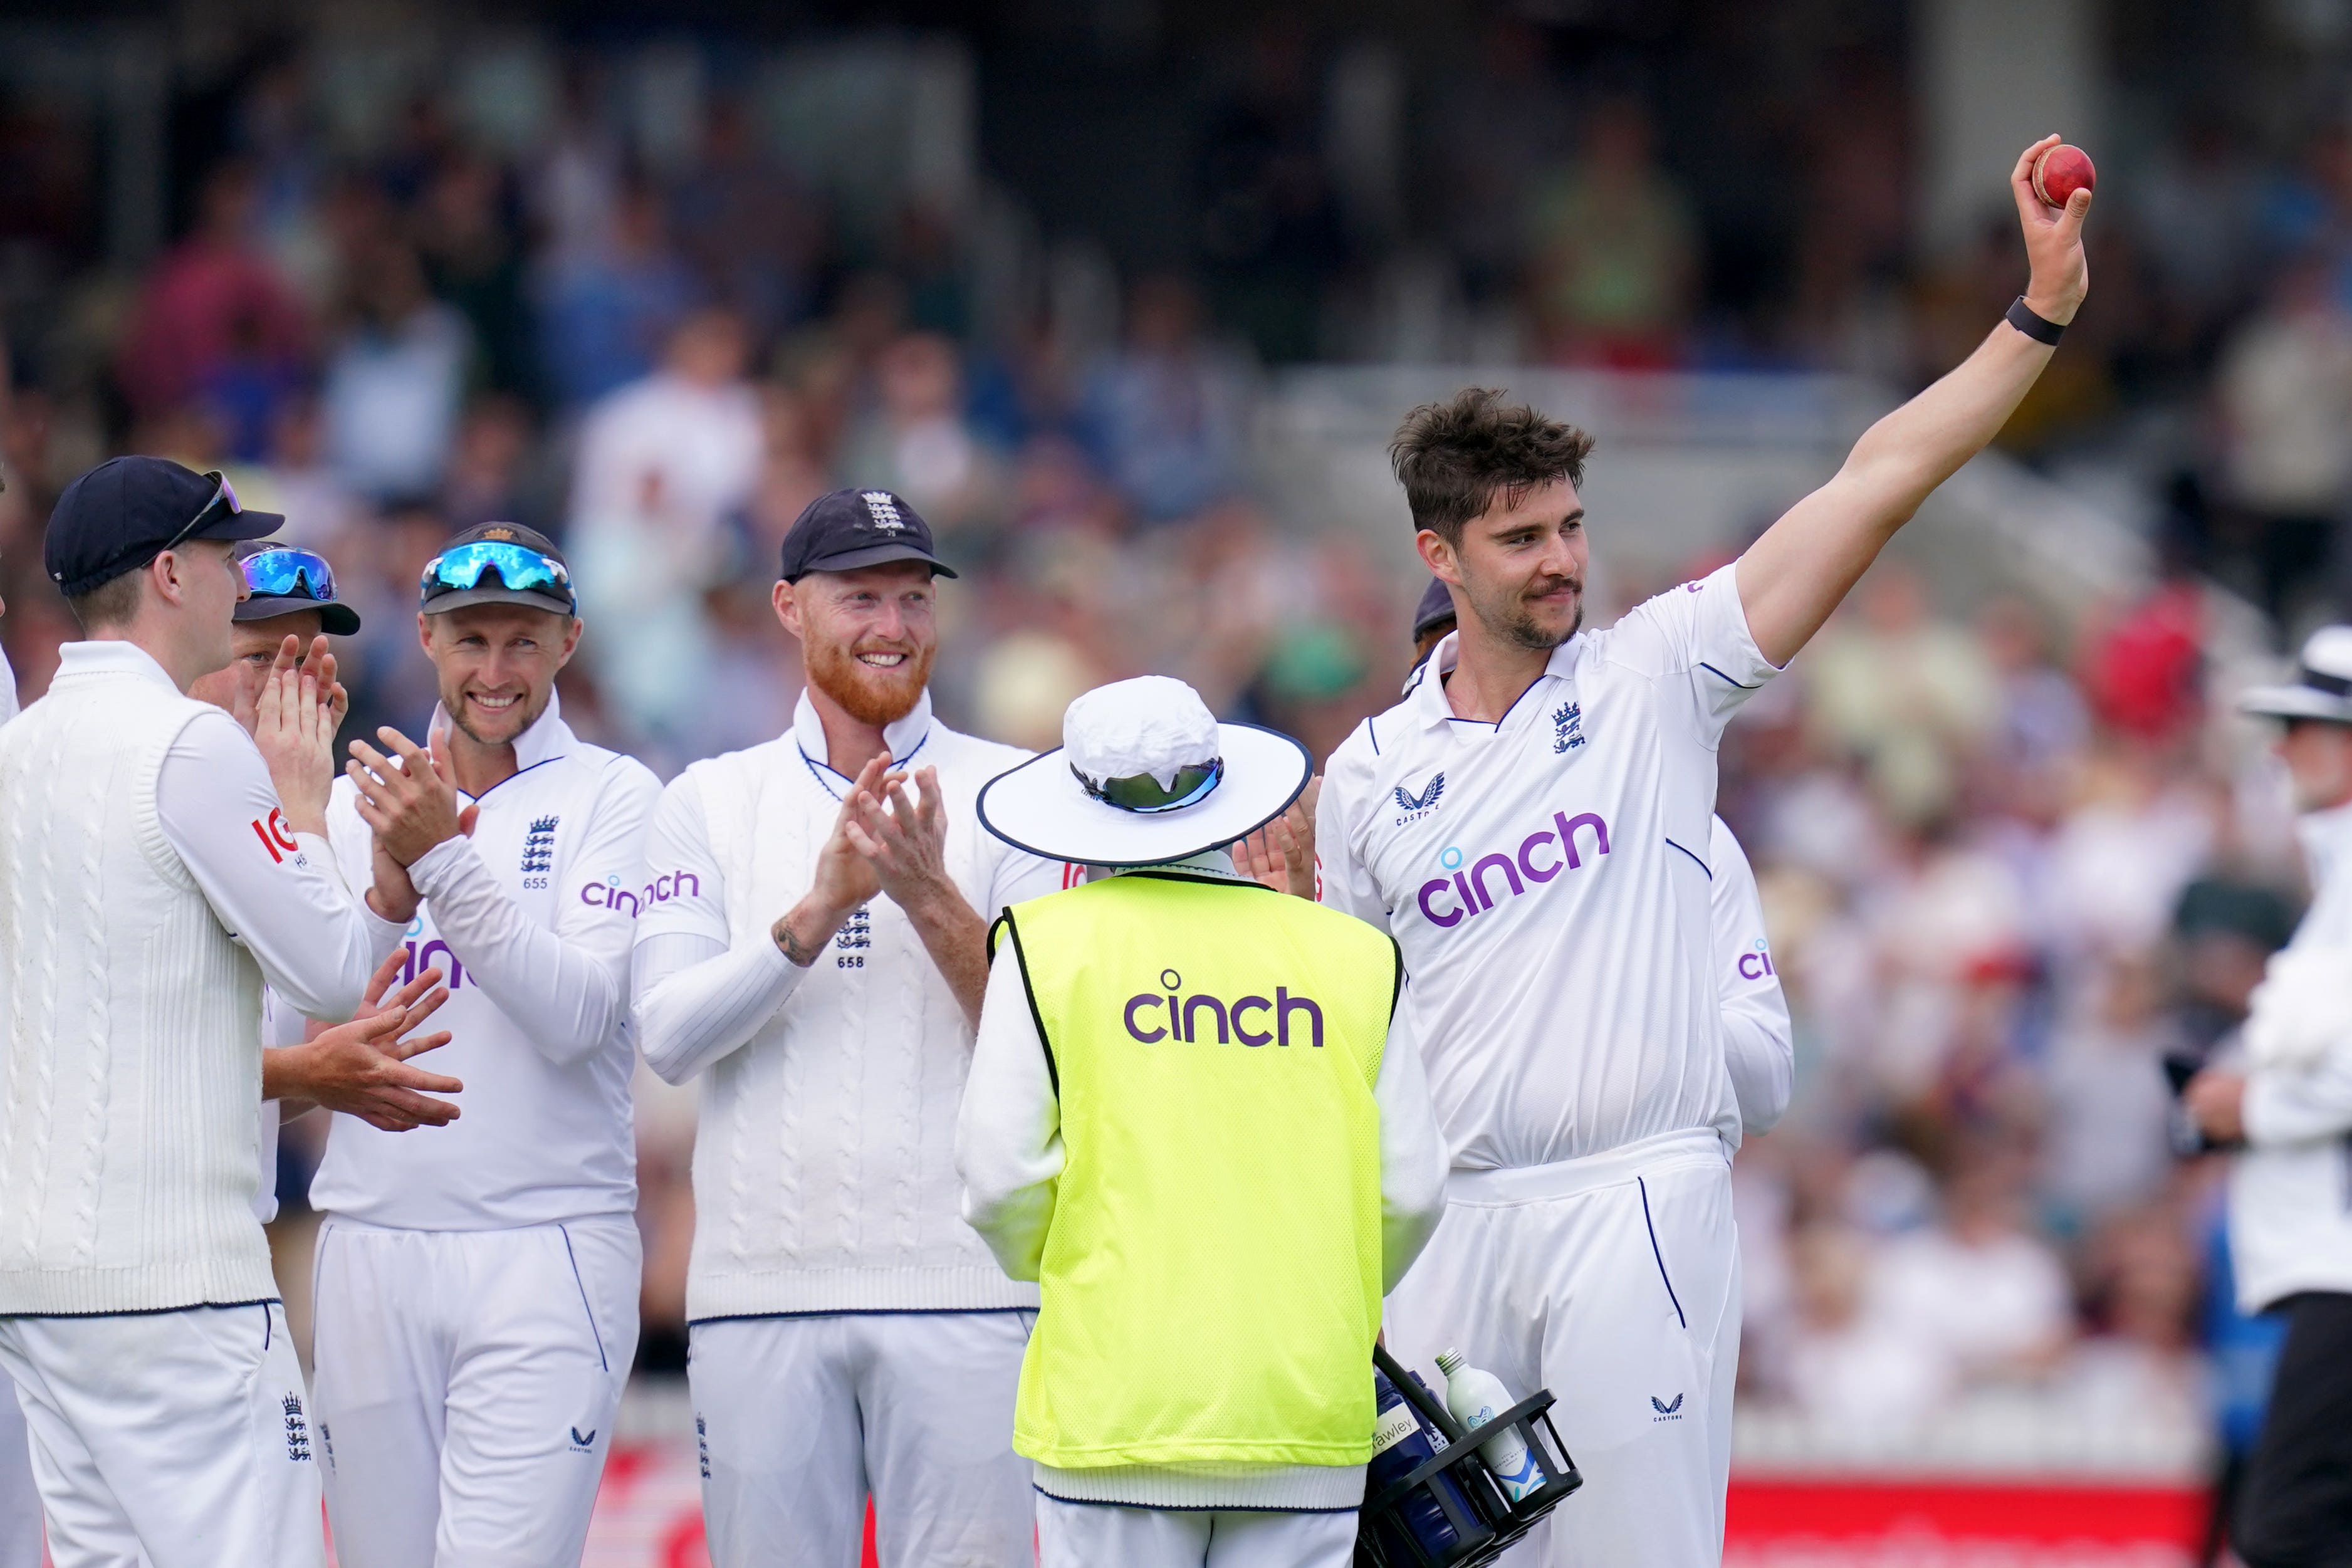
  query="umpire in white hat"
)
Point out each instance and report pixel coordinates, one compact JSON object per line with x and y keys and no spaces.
{"x":2285,"y":1104}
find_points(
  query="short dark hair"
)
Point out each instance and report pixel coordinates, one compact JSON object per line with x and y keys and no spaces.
{"x":114,"y":603}
{"x":1454,"y":457}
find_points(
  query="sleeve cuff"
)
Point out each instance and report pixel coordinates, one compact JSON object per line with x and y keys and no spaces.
{"x":2261,"y":1113}
{"x":439,"y":867}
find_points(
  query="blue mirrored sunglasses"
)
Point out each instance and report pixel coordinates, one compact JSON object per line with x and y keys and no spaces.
{"x":517,"y":566}
{"x":1144,"y":795}
{"x":288,"y":572}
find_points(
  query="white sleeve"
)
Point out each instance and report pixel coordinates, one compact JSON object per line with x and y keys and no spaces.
{"x":696,"y":998}
{"x":1009,"y":1130}
{"x":1758,"y":1044}
{"x":2300,"y":1104}
{"x":1413,"y":1157}
{"x":565,"y":987}
{"x":1695,"y":637}
{"x":1019,"y":877}
{"x":1344,"y":882}
{"x":278,"y":892}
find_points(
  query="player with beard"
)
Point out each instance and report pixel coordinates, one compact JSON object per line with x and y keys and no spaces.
{"x":813,"y":946}
{"x":476,"y":1283}
{"x":1532,"y":826}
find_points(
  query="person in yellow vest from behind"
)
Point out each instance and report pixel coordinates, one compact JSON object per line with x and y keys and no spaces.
{"x":1195,"y":1118}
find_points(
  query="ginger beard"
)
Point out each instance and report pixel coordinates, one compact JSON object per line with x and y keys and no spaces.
{"x":871,"y":694}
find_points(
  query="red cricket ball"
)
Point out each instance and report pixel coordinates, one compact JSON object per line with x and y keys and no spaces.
{"x":2061,"y":170}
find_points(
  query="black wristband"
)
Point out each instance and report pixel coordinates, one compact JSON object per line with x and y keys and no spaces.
{"x":2023,"y":317}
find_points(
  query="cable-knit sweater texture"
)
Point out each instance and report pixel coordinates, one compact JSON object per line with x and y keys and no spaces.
{"x":130,"y":1049}
{"x":824,"y":1169}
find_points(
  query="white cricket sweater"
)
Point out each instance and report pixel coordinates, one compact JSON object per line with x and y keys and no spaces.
{"x":824,"y":1174}
{"x":131,"y":1093}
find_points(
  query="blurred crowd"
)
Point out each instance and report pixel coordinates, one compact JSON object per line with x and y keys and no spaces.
{"x":2009,"y":865}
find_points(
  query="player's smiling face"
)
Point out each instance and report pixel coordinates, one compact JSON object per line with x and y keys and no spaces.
{"x":1520,"y":564}
{"x":497,"y":665}
{"x":867,"y":637}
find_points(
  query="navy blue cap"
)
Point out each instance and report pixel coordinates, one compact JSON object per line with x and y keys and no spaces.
{"x":1436,"y":609}
{"x":849,"y":529}
{"x":128,"y":511}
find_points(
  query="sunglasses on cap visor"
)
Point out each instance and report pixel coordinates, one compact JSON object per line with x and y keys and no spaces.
{"x":222,"y":504}
{"x":288,"y":572}
{"x":517,"y":566}
{"x":1142,"y":793}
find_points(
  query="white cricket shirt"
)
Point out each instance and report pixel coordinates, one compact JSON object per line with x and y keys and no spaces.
{"x":530,"y":920}
{"x":1545,"y":878}
{"x":1760,"y":1049}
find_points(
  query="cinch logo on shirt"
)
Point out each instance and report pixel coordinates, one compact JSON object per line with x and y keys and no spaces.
{"x":1758,"y":964}
{"x":609,"y":894}
{"x":421,"y":959}
{"x":1152,"y":1017}
{"x":1475,"y":889}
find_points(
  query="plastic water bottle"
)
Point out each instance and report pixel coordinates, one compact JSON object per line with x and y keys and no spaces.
{"x":1475,"y":1398}
{"x":1400,"y":1445}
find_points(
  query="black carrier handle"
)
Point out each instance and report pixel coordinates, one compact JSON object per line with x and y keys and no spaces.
{"x":1495,"y":1523}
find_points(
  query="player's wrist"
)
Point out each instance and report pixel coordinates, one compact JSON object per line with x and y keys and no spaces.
{"x":2055,"y":307}
{"x":804,"y":929}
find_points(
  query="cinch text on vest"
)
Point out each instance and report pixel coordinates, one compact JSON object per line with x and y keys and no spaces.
{"x":1477,"y":895}
{"x":1170,"y":1015}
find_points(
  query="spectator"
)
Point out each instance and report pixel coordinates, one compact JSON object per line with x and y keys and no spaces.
{"x":213,"y":301}
{"x":1978,"y":1288}
{"x":606,"y":306}
{"x":396,"y":380}
{"x":916,"y":441}
{"x":1612,"y":270}
{"x":2285,"y":390}
{"x":2108,"y":1099}
{"x":1164,"y":416}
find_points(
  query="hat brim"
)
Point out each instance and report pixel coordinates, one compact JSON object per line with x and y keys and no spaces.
{"x":243,"y":525}
{"x":876,"y":556}
{"x":461,"y":598}
{"x":2296,"y":702}
{"x":1040,"y":808}
{"x":337,"y":618}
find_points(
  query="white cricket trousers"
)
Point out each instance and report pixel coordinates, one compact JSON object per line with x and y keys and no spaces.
{"x":174,"y":1439}
{"x":799,"y":1419}
{"x":20,"y":1500}
{"x":466,"y":1383}
{"x":1612,"y":1280}
{"x":1098,"y":1535}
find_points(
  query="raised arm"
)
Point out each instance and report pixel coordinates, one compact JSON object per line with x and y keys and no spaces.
{"x":1794,"y":576}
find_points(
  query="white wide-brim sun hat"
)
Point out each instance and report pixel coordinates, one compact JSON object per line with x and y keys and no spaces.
{"x":2322,"y":688}
{"x":1150,"y":728}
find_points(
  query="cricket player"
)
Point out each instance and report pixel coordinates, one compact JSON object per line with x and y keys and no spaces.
{"x":813,"y":947}
{"x":20,"y":1500}
{"x":476,"y":1283}
{"x":1532,"y":825}
{"x":1759,"y":1047}
{"x":1176,"y":1064}
{"x":139,"y":1316}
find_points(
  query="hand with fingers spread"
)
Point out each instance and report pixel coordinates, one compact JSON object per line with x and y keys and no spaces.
{"x":1282,"y":854}
{"x":293,"y":727}
{"x":845,"y":881}
{"x":2054,"y":242}
{"x":361,"y":1067}
{"x":408,"y":799}
{"x":907,"y":844}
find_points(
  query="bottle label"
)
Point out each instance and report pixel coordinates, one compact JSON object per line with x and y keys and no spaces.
{"x":1396,"y":1423}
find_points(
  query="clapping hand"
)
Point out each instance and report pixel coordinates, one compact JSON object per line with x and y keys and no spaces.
{"x":294,"y":722}
{"x":361,"y":1067}
{"x":905,"y":845}
{"x":1282,"y":853}
{"x":411,"y":804}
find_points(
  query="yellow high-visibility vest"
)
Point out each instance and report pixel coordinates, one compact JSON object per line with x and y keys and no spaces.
{"x":1211,"y":1281}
